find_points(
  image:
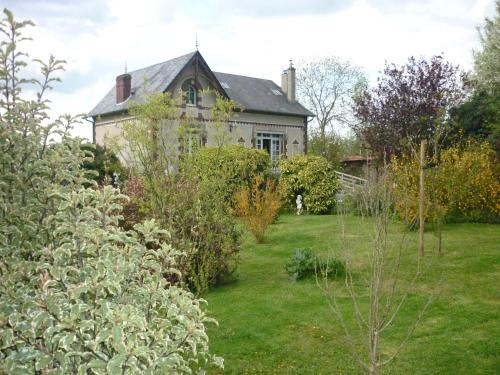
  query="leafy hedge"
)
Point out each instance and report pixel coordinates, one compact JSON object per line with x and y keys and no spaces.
{"x":233,"y":166}
{"x":314,"y":178}
{"x":465,"y":185}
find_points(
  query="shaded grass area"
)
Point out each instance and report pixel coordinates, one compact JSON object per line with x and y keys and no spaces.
{"x":271,"y":325}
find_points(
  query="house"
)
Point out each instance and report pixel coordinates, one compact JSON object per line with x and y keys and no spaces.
{"x":267,"y":117}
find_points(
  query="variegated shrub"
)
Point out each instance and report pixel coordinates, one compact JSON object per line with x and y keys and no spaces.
{"x":79,"y":294}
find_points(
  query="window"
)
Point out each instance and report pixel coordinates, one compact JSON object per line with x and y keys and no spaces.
{"x":224,"y":84}
{"x":193,"y":142}
{"x":191,"y":95}
{"x":295,"y":147}
{"x":192,"y":137}
{"x":189,"y":89}
{"x":276,"y":92}
{"x":272,"y":143}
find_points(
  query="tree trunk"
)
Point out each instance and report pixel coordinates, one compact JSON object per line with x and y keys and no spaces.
{"x":421,"y":199}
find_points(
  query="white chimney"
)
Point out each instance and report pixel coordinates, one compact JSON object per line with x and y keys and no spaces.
{"x":288,"y":82}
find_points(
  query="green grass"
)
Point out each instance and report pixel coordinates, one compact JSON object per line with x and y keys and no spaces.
{"x":271,"y":325}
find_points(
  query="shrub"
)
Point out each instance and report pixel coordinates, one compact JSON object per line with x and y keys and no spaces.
{"x":78,"y":294}
{"x":204,"y":228}
{"x":235,"y":166}
{"x":96,"y":298}
{"x":133,"y":210}
{"x":104,"y":162}
{"x":258,"y":205}
{"x":302,"y":264}
{"x":305,"y":263}
{"x":311,"y":176}
{"x":464,"y":186}
{"x":190,"y":203}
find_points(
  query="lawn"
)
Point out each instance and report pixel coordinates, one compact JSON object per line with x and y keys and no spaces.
{"x":271,"y":325}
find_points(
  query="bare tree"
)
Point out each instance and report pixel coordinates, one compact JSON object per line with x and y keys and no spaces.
{"x":327,"y":86}
{"x":376,"y":300}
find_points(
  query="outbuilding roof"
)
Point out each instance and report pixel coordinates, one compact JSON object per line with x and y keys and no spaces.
{"x":251,"y":94}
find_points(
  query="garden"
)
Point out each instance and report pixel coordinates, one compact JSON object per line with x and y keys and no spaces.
{"x":205,"y":260}
{"x":269,"y":324}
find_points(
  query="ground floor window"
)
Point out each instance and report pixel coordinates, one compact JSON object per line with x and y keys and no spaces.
{"x":272,"y":143}
{"x":191,"y":138}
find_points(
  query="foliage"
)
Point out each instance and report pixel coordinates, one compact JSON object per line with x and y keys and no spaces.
{"x":478,"y":118}
{"x":305,"y":263}
{"x":191,"y":206}
{"x":258,"y":205}
{"x":487,"y":60}
{"x":205,"y":229}
{"x":314,"y":178}
{"x":302,"y":264}
{"x":234,"y":166}
{"x":328,"y":146}
{"x":99,"y":300}
{"x":408,"y":104}
{"x":465,"y":185}
{"x":133,"y":211}
{"x":77,"y":293}
{"x":104,"y":162}
{"x":327,"y":86}
{"x":221,"y":112}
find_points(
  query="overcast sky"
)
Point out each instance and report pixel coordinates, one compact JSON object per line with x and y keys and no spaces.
{"x":253,"y":38}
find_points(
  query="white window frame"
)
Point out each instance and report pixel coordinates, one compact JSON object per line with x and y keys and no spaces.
{"x":276,"y":143}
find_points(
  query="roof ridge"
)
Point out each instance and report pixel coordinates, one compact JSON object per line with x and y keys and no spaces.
{"x":162,"y":62}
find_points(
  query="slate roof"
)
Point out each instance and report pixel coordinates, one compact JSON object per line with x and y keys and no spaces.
{"x":154,"y":78}
{"x":261,"y":95}
{"x":253,"y":94}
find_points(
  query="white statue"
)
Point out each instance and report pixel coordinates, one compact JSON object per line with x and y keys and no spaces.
{"x":116,"y":179}
{"x":298,"y":202}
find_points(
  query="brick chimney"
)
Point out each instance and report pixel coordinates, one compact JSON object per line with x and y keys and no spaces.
{"x":288,"y":82}
{"x":123,"y":85}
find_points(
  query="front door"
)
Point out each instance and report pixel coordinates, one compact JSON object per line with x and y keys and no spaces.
{"x":272,"y":143}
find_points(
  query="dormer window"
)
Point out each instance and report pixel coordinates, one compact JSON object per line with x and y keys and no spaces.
{"x":189,"y":88}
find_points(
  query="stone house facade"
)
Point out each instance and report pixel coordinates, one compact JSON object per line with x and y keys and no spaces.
{"x":267,"y":117}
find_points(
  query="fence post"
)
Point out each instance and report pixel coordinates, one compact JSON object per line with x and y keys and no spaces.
{"x":421,"y":199}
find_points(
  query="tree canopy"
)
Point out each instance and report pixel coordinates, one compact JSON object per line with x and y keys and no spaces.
{"x":408,"y":104}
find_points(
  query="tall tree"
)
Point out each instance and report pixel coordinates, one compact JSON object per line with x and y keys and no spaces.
{"x":487,"y":60}
{"x":408,"y":104}
{"x":479,"y":117}
{"x":326,"y":86}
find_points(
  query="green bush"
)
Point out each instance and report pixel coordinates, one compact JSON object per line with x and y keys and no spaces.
{"x":314,"y":178}
{"x":104,"y":162}
{"x":305,"y":263}
{"x":463,"y":186}
{"x":78,"y":294}
{"x":203,"y":227}
{"x":302,"y":264}
{"x":233,"y":165}
{"x":185,"y":193}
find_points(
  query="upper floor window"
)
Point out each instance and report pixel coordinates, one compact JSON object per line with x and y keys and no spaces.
{"x":189,"y":88}
{"x":191,"y":95}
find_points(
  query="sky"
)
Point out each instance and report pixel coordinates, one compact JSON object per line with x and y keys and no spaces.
{"x":257,"y":38}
